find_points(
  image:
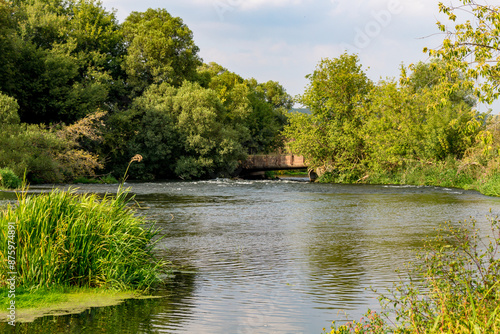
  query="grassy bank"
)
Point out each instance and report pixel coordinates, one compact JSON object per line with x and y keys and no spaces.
{"x":62,"y":242}
{"x":453,"y":287}
{"x":449,"y":173}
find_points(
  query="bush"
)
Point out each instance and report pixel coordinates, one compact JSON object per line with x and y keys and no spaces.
{"x":8,"y":179}
{"x":455,"y":288}
{"x":78,"y":240}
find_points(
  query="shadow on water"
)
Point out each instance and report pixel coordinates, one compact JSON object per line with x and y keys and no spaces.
{"x":132,"y":316}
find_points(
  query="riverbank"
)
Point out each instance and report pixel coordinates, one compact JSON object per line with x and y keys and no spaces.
{"x":38,"y":303}
{"x":448,"y":174}
{"x":452,"y":288}
{"x":61,"y":253}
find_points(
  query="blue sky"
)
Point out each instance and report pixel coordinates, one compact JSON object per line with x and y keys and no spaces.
{"x":283,"y":40}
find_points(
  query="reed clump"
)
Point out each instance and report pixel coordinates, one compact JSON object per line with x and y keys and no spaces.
{"x":67,"y":239}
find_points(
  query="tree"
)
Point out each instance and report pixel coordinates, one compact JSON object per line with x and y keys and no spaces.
{"x":331,"y":137}
{"x":270,"y":105}
{"x":67,"y":60}
{"x":473,"y":46}
{"x":417,"y":120}
{"x":8,"y":47}
{"x":212,"y":146}
{"x":336,"y":87}
{"x":257,"y":109}
{"x":181,"y":132}
{"x":160,"y":49}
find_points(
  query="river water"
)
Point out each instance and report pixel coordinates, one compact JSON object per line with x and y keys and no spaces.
{"x":273,"y":256}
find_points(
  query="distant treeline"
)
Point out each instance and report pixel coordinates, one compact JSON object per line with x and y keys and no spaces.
{"x":80,"y":94}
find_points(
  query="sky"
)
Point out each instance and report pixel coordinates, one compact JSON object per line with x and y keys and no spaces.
{"x":284,"y":40}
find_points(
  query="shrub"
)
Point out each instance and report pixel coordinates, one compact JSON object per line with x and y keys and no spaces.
{"x":63,"y":238}
{"x":8,"y":110}
{"x":8,"y":179}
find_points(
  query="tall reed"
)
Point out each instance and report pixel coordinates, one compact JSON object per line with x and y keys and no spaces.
{"x":64,"y":238}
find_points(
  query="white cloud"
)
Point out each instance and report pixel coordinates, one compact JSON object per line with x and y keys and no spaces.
{"x":251,"y":4}
{"x":283,"y":40}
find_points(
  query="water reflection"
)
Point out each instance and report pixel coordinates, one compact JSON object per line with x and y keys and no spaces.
{"x":279,"y":257}
{"x":168,"y":313}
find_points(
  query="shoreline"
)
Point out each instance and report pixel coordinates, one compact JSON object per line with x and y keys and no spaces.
{"x":74,"y":302}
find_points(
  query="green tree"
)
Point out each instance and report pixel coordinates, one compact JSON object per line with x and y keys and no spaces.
{"x":8,"y":47}
{"x":160,"y":50}
{"x":414,"y":122}
{"x":331,"y":138}
{"x":180,"y":132}
{"x":67,"y":61}
{"x":150,"y":130}
{"x":212,"y":146}
{"x":270,"y":105}
{"x":472,"y":46}
{"x":336,"y":87}
{"x":258,"y":110}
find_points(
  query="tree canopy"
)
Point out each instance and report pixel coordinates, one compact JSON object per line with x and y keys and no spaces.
{"x":160,"y":49}
{"x":472,"y":45}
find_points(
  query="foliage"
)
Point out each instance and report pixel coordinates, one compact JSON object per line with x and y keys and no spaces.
{"x":180,"y":132}
{"x":453,"y":287}
{"x":472,"y":45}
{"x":160,"y":49}
{"x":336,"y":87}
{"x":257,"y":110}
{"x":211,"y":145}
{"x":330,"y":138}
{"x":30,"y":148}
{"x":63,"y":63}
{"x":385,"y":126}
{"x":8,"y":179}
{"x":270,"y":105}
{"x":412,"y":122}
{"x":8,"y":110}
{"x":81,"y":139}
{"x":79,"y":240}
{"x":8,"y":46}
{"x":67,"y":59}
{"x":51,"y":155}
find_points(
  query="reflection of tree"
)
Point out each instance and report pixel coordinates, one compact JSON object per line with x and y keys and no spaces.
{"x":132,"y":316}
{"x":360,"y":240}
{"x":334,"y":260}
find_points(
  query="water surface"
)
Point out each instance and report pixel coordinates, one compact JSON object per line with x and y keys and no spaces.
{"x":273,"y":256}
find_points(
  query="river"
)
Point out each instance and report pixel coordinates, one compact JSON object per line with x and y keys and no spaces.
{"x":273,"y":256}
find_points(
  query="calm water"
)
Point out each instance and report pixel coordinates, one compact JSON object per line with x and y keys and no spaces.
{"x":273,"y":256}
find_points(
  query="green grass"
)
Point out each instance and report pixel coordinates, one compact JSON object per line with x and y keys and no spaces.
{"x":66,"y":239}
